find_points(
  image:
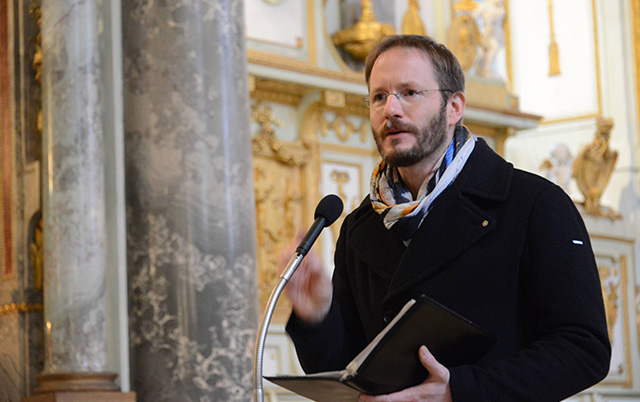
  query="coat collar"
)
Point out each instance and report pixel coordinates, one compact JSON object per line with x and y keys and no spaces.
{"x":454,"y":224}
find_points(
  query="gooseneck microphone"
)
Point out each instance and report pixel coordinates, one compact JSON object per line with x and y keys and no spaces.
{"x":327,"y":211}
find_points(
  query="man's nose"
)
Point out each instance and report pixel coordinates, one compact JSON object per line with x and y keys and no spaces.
{"x":393,"y":106}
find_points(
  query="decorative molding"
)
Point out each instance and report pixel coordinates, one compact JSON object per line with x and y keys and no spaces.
{"x":6,"y":187}
{"x":613,"y":279}
{"x":635,"y":13}
{"x":17,"y":308}
{"x":343,"y":128}
{"x":285,"y":63}
{"x":283,"y":190}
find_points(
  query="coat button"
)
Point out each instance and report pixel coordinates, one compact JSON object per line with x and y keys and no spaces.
{"x":388,"y":316}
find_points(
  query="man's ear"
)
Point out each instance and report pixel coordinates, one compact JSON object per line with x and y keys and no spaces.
{"x":456,"y":107}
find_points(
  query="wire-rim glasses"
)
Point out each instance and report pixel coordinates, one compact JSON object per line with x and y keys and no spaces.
{"x":407,"y":97}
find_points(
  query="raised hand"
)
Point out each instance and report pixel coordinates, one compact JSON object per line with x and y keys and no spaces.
{"x":309,"y":289}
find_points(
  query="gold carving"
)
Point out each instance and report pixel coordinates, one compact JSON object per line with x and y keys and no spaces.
{"x":358,"y":39}
{"x":284,"y":63}
{"x":554,"y":61}
{"x":280,"y":169}
{"x":35,"y":253}
{"x":15,"y":308}
{"x":266,"y":143}
{"x":610,"y":297}
{"x":411,"y":22}
{"x":37,"y":56}
{"x":592,"y":169}
{"x":635,"y":6}
{"x":340,"y":178}
{"x":334,"y":98}
{"x":267,"y":90}
{"x":464,"y":37}
{"x":465,"y":6}
{"x":343,"y":128}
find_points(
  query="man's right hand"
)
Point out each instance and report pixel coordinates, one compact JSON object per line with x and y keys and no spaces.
{"x":309,"y":289}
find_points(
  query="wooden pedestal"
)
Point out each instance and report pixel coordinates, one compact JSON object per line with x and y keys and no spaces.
{"x":79,"y":387}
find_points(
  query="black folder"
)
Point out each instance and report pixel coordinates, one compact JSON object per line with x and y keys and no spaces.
{"x":390,"y":362}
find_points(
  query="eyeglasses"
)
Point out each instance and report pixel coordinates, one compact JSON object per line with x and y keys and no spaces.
{"x":407,"y":97}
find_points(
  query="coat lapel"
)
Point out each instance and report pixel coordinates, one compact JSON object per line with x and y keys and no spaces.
{"x":455,"y":221}
{"x":375,"y":245}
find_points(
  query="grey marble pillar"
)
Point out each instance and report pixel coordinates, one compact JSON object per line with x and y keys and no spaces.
{"x":190,"y":204}
{"x":73,"y":189}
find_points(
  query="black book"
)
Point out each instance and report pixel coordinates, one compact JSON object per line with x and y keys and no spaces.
{"x":390,"y":362}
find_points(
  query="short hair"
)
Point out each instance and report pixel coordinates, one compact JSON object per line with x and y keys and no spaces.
{"x":448,"y":73}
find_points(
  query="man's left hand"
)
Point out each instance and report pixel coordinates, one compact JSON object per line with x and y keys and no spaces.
{"x":434,"y":389}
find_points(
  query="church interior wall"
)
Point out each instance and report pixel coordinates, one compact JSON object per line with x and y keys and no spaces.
{"x":311,"y":136}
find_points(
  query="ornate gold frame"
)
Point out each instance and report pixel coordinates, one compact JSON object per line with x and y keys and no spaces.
{"x":624,"y":298}
{"x":6,"y":192}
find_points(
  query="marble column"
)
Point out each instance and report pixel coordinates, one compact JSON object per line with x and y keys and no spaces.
{"x":74,"y":209}
{"x":73,"y":189}
{"x":190,"y":204}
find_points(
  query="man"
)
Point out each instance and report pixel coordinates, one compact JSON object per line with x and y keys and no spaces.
{"x":449,"y":218}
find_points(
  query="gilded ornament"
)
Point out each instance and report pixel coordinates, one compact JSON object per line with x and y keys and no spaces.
{"x":266,"y":140}
{"x":411,"y":22}
{"x":334,"y":98}
{"x":343,"y":128}
{"x":593,"y":167}
{"x":554,"y":56}
{"x":610,"y":297}
{"x":35,"y":254}
{"x":464,"y":40}
{"x":359,"y":39}
{"x":465,"y":6}
{"x":37,"y":57}
{"x":13,"y":308}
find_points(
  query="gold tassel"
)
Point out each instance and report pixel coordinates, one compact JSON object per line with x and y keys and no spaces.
{"x":411,"y":22}
{"x":554,"y":54}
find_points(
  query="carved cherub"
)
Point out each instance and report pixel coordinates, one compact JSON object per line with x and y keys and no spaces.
{"x":559,"y":167}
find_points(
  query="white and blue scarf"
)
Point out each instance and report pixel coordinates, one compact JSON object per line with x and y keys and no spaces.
{"x":394,"y":202}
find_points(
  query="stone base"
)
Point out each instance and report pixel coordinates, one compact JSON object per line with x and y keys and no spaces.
{"x":79,"y":387}
{"x":83,"y":397}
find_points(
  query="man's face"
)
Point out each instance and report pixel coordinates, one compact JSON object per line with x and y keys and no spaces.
{"x":407,"y":133}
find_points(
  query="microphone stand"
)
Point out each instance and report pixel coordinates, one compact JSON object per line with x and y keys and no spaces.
{"x":262,"y":333}
{"x":327,"y":211}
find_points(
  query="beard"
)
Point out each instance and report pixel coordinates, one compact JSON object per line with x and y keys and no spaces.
{"x":430,"y":137}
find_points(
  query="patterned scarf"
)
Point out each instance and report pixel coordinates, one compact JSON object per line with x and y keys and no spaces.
{"x":394,"y":202}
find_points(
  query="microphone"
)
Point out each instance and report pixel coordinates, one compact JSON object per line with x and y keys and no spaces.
{"x":327,"y":211}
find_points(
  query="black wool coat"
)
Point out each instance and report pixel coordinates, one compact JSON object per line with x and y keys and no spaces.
{"x":502,"y":247}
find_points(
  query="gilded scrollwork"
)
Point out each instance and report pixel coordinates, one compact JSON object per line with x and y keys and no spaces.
{"x":37,"y":56}
{"x":343,"y":128}
{"x":266,"y":141}
{"x":610,"y":287}
{"x":279,"y":169}
{"x":341,"y":178}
